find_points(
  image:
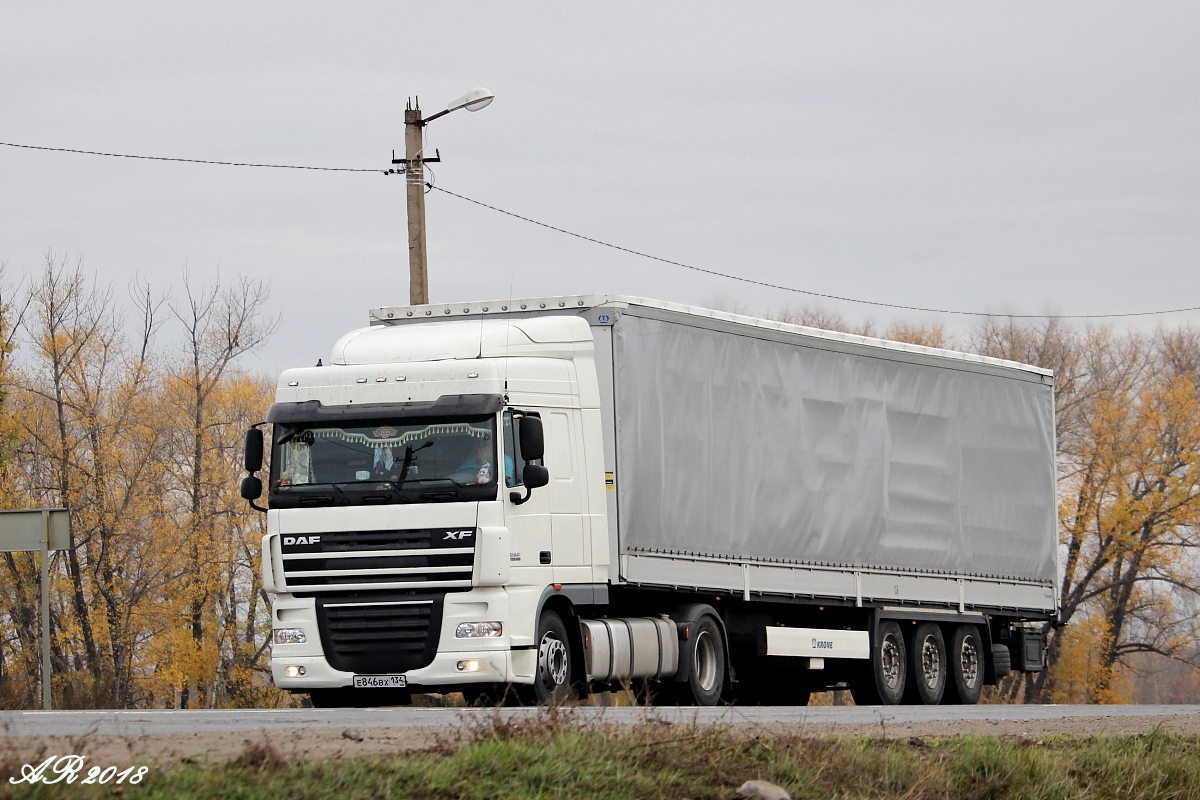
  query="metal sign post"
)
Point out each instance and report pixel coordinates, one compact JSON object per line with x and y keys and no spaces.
{"x":44,"y":530}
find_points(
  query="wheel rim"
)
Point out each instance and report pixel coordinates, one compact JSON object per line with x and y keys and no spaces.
{"x":552,"y":658}
{"x":889,"y":661}
{"x":931,"y":662}
{"x":968,"y":661}
{"x":706,"y":661}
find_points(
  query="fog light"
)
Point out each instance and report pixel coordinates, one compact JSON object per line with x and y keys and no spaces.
{"x":479,"y":630}
{"x":290,"y":636}
{"x":294,"y":671}
{"x":470,"y":665}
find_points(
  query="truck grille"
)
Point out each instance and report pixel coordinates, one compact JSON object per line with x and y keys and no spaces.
{"x":379,"y":633}
{"x":440,"y":558}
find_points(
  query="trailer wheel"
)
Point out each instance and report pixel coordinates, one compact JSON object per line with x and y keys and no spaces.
{"x":552,"y":683}
{"x":966,"y":666}
{"x":927,"y":665}
{"x":881,"y":679}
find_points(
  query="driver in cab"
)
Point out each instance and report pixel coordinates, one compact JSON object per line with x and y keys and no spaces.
{"x":477,"y":466}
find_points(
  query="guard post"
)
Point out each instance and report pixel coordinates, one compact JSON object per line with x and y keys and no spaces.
{"x":43,"y":530}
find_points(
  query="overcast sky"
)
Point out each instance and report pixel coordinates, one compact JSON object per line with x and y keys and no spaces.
{"x":1013,"y":158}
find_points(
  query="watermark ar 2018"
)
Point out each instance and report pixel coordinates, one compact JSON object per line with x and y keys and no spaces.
{"x":68,"y":769}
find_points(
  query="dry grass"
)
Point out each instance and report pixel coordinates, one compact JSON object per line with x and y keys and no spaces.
{"x":549,"y":756}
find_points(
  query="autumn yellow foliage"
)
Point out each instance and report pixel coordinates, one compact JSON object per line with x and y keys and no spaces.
{"x":159,"y":601}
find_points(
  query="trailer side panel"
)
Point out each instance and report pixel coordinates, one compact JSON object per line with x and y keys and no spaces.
{"x":739,"y":447}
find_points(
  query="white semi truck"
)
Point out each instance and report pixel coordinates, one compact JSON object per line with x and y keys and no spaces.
{"x":544,"y":498}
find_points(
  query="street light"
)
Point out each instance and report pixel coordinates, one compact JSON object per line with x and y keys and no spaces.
{"x":414,"y":160}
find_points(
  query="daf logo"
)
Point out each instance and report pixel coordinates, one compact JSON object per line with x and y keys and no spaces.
{"x":457,"y":535}
{"x":302,"y":540}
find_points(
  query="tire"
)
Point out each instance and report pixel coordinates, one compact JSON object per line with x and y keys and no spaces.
{"x":552,"y":681}
{"x":926,"y":665}
{"x":347,"y":697}
{"x":705,"y":653}
{"x":880,"y":680}
{"x":966,"y":667}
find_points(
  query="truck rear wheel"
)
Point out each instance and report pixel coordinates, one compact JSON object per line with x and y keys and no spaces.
{"x":880,"y":680}
{"x":927,"y":665}
{"x":552,"y":683}
{"x":966,"y":666}
{"x":704,"y":651}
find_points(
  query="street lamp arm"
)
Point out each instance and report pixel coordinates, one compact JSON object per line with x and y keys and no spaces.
{"x":472,"y":100}
{"x":414,"y":145}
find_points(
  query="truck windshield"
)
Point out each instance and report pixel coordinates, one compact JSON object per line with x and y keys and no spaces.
{"x":379,"y":461}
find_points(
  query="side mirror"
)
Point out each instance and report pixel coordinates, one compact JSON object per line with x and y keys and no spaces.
{"x":535,"y":476}
{"x":533,"y":444}
{"x":251,"y":488}
{"x":254,"y":453}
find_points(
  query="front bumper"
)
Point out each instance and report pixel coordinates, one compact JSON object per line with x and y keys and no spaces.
{"x":498,"y":661}
{"x":495,"y":666}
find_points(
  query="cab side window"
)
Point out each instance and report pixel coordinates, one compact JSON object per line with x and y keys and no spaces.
{"x":514,"y":463}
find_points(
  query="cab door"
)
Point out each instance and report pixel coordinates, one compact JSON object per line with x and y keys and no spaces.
{"x":571,"y":550}
{"x":529,"y":529}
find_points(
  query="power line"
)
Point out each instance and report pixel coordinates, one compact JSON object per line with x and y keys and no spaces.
{"x":702,"y":270}
{"x":806,"y":291}
{"x":186,"y":160}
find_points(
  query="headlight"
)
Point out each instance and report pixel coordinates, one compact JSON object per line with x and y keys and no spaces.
{"x":290,"y":636}
{"x":479,"y":630}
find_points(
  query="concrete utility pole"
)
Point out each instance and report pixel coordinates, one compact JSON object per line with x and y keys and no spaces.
{"x":414,"y":177}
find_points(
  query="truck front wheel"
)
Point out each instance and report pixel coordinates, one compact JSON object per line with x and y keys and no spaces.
{"x":552,"y":684}
{"x":880,"y":680}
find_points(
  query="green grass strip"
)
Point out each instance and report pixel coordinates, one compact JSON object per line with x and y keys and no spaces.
{"x":551,"y":759}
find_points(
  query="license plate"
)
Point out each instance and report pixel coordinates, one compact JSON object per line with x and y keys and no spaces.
{"x":380,"y":681}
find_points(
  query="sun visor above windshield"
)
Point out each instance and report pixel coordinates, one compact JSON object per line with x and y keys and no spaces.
{"x":429,"y":341}
{"x":450,"y":405}
{"x":438,"y":340}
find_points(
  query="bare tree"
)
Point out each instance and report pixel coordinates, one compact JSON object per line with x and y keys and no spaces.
{"x":220,"y":323}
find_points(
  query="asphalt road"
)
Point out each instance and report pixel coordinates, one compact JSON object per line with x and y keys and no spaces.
{"x":151,"y":723}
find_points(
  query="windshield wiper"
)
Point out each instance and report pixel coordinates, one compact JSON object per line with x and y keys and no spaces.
{"x":399,"y":484}
{"x":409,"y":454}
{"x":336,"y":485}
{"x":455,"y":490}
